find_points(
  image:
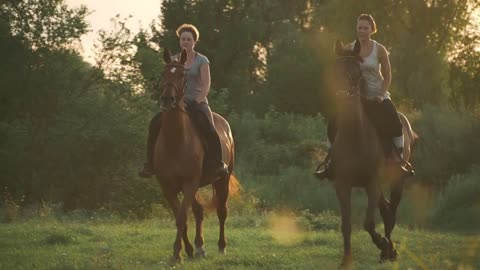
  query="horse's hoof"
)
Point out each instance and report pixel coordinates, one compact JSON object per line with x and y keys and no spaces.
{"x":384,"y":244}
{"x":189,"y":251}
{"x":393,"y":255}
{"x":390,"y":254}
{"x":222,"y":251}
{"x":174,"y":260}
{"x":347,"y":263}
{"x":200,"y":253}
{"x":384,"y":256}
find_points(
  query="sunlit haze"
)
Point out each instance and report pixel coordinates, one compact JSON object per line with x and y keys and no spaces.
{"x":142,"y":12}
{"x":101,"y":11}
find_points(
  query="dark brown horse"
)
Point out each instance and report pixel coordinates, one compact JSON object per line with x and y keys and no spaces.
{"x":179,"y":157}
{"x":359,"y":159}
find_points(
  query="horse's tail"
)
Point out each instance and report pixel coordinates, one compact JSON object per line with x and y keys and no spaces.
{"x":414,"y":137}
{"x":234,"y":188}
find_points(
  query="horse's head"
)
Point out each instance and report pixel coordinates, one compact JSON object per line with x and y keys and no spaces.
{"x":173,"y":81}
{"x":348,"y":75}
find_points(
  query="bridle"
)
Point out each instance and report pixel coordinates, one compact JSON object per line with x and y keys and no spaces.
{"x":355,"y":82}
{"x":169,"y":80}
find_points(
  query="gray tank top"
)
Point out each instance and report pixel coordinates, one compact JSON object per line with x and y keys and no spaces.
{"x":372,"y":74}
{"x":194,"y":80}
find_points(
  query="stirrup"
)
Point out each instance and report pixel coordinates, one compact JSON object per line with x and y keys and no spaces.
{"x":407,"y":170}
{"x":326,"y":173}
{"x":405,"y":166}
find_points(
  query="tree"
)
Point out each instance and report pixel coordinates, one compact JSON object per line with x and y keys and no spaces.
{"x":70,"y":132}
{"x":419,"y":36}
{"x":45,"y":23}
{"x":296,"y":71}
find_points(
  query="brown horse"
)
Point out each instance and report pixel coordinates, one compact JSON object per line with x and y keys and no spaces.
{"x":359,"y":161}
{"x":179,"y":157}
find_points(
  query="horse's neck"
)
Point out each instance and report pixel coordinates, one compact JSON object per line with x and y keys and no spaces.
{"x":175,"y":128}
{"x":353,"y":125}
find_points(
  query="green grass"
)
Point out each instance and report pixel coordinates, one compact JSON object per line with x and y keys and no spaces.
{"x":262,"y":242}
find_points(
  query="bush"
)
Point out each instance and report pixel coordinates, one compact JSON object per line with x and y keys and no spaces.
{"x":447,"y":144}
{"x":276,"y":141}
{"x":458,"y":206}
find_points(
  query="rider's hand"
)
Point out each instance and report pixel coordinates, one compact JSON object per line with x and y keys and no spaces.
{"x":191,"y":103}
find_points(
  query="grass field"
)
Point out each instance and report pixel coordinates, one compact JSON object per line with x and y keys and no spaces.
{"x":261,"y":242}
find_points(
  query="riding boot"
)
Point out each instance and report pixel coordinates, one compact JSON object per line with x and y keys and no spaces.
{"x":153,"y":130}
{"x":214,"y":166}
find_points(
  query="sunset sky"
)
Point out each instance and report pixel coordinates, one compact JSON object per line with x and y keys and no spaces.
{"x":143,"y":12}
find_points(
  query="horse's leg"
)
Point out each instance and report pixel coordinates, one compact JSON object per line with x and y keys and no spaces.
{"x":198,"y":211}
{"x":221,"y":192}
{"x":374,"y":196}
{"x":188,"y":245}
{"x":174,"y":203}
{"x":343,"y":196}
{"x":388,"y":217}
{"x":189,"y":191}
{"x":395,"y":197}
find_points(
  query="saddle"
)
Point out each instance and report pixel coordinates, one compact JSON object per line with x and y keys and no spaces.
{"x":200,"y":123}
{"x":375,"y":117}
{"x":193,"y":114}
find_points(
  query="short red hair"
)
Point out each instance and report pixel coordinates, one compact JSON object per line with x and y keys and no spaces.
{"x":188,"y":28}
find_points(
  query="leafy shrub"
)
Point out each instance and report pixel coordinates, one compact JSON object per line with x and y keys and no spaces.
{"x":458,"y":206}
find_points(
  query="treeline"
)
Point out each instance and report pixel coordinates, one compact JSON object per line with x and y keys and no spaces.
{"x":74,"y":133}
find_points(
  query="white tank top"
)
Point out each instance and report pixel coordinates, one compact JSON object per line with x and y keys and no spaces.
{"x":372,"y":74}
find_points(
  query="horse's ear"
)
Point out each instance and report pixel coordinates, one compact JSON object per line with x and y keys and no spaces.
{"x":356,"y":48}
{"x":183,"y":57}
{"x":339,"y":47}
{"x":166,"y":56}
